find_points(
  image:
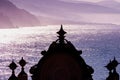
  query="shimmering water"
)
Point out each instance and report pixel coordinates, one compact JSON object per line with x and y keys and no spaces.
{"x":99,"y":44}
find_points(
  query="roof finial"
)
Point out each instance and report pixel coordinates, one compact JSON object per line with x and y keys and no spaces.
{"x":22,"y":75}
{"x":13,"y":66}
{"x":61,"y":33}
{"x":113,"y":75}
{"x":22,"y":62}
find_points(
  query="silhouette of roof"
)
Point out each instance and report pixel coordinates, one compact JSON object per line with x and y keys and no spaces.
{"x":61,"y":55}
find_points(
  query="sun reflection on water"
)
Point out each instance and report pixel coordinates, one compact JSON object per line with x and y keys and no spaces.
{"x":28,"y":42}
{"x":11,"y":35}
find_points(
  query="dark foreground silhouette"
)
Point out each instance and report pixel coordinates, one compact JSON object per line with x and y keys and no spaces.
{"x":62,"y":61}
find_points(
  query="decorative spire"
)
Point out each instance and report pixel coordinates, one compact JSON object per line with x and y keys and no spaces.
{"x":109,"y":66}
{"x":22,"y":62}
{"x":22,"y":75}
{"x":113,"y":75}
{"x":115,"y":62}
{"x":13,"y":66}
{"x":61,"y":34}
{"x":112,"y":64}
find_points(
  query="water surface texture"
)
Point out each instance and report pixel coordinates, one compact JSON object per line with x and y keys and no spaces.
{"x":99,"y":44}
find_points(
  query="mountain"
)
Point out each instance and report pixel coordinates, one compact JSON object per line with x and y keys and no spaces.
{"x":13,"y":16}
{"x":58,"y":11}
{"x":5,"y":21}
{"x":110,"y":3}
{"x":52,"y":6}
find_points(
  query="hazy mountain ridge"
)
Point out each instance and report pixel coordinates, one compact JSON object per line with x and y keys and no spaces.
{"x":110,"y":3}
{"x":50,"y":5}
{"x":5,"y":21}
{"x":57,"y":11}
{"x":13,"y":16}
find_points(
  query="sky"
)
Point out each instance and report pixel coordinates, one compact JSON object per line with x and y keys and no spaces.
{"x":49,"y":13}
{"x":84,"y":0}
{"x":92,"y":0}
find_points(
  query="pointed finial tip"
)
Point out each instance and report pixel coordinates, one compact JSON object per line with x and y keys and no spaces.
{"x":61,"y":31}
{"x":61,"y":25}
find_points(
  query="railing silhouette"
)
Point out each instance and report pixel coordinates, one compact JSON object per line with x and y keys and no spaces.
{"x":61,"y":62}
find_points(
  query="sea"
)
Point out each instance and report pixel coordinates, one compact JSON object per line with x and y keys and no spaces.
{"x":99,"y":44}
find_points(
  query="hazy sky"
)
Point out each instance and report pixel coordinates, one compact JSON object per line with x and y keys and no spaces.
{"x":51,"y":12}
{"x":92,"y":0}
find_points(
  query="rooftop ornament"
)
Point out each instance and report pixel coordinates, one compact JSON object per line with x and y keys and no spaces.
{"x":22,"y":75}
{"x":13,"y":66}
{"x":111,"y":66}
{"x":62,"y":61}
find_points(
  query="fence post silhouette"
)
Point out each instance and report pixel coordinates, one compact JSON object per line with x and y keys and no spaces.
{"x":22,"y":75}
{"x":111,"y":66}
{"x":13,"y":66}
{"x":62,"y":61}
